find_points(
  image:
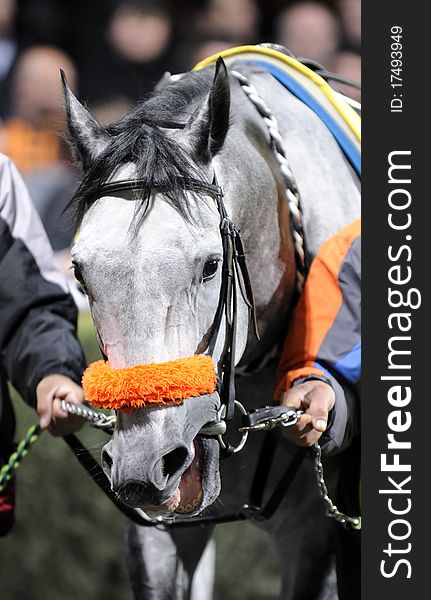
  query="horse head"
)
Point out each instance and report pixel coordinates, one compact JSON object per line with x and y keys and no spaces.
{"x":150,"y":262}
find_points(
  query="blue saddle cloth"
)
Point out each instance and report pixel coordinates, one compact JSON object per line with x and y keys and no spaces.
{"x":310,"y":88}
{"x":350,"y":150}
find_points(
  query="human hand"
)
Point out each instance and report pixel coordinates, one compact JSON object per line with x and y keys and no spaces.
{"x":49,"y":393}
{"x":315,"y":398}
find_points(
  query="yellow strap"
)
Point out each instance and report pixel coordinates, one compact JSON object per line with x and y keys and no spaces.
{"x":347,"y":113}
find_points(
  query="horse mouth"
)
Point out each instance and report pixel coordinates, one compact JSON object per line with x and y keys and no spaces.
{"x":189,"y":494}
{"x":190,"y":491}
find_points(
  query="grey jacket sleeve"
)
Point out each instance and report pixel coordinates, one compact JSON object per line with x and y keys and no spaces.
{"x":37,"y":313}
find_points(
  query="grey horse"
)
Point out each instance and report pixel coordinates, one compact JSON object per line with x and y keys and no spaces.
{"x":151,"y":266}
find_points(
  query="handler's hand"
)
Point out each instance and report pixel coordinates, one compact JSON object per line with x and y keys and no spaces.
{"x":49,"y":393}
{"x":315,"y":398}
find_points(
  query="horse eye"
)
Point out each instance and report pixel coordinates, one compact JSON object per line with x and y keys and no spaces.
{"x":79,"y":277}
{"x":210,"y":269}
{"x":78,"y":274}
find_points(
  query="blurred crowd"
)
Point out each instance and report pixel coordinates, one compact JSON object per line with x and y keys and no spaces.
{"x":115,"y":51}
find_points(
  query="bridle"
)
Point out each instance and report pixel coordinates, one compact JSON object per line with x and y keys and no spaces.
{"x":234,"y":268}
{"x":234,"y":274}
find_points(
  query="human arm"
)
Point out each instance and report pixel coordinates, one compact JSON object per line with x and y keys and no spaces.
{"x":37,"y":314}
{"x":320,"y":366}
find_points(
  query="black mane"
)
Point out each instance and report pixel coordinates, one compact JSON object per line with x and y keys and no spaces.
{"x":160,"y":162}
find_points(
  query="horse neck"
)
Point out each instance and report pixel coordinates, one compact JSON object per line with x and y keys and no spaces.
{"x":256,"y":199}
{"x":256,"y":202}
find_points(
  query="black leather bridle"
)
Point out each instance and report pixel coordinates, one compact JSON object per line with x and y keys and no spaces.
{"x":234,"y":270}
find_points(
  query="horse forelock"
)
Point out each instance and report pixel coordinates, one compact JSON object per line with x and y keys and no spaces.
{"x":143,"y":138}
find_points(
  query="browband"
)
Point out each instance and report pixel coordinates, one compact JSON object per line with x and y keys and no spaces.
{"x":212,"y":189}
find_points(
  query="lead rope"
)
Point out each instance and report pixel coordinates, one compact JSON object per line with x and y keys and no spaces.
{"x":15,"y":459}
{"x":295,"y":210}
{"x":96,"y":419}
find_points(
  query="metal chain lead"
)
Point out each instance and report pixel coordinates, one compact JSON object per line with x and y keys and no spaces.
{"x":287,"y":419}
{"x":331,"y":510}
{"x":292,"y":192}
{"x":95,"y":418}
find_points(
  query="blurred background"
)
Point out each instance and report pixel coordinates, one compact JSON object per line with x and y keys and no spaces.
{"x":68,"y":540}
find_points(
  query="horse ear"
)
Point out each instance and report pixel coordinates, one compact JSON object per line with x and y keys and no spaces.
{"x":88,"y":137}
{"x":208,"y":128}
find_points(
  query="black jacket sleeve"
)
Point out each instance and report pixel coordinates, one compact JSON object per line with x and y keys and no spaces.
{"x":37,"y":313}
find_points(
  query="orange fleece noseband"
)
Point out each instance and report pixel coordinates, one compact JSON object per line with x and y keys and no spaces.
{"x":155,"y":384}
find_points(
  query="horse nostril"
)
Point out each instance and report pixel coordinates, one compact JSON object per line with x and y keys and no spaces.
{"x":106,"y":461}
{"x":174,"y":460}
